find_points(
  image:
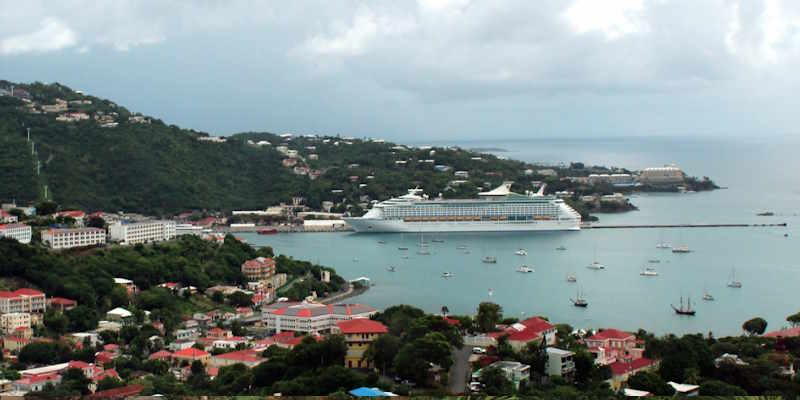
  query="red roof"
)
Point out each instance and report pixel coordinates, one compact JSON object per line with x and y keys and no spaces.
{"x":111,"y":347}
{"x":362,"y":325}
{"x":619,"y":368}
{"x":452,"y":321}
{"x":191,"y":352}
{"x":240,"y":356}
{"x":791,"y":332}
{"x":20,"y":292}
{"x":39,"y":378}
{"x":118,"y":393}
{"x":62,"y":301}
{"x":72,"y":214}
{"x":611,"y":333}
{"x":78,"y":364}
{"x":160,"y":355}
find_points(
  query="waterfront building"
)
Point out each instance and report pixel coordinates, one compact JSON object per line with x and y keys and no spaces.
{"x":359,"y":334}
{"x":311,"y":317}
{"x":667,"y":175}
{"x":258,"y":269}
{"x":533,"y":329}
{"x":19,"y":232}
{"x":22,"y":300}
{"x":11,"y":322}
{"x":560,"y":363}
{"x":142,"y":232}
{"x":70,"y":238}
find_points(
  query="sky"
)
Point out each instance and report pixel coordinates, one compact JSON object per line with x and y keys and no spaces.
{"x":426,"y":69}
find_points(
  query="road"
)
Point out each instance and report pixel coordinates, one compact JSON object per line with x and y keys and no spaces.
{"x":457,"y":381}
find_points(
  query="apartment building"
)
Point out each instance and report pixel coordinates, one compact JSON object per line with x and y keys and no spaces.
{"x":142,"y":232}
{"x":359,"y":334}
{"x":22,"y":300}
{"x":19,"y":232}
{"x":10,"y":322}
{"x":258,"y":269}
{"x":69,"y":238}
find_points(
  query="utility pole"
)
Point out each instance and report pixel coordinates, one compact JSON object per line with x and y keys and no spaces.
{"x":45,"y":192}
{"x":38,"y":167}
{"x":32,"y":151}
{"x":29,"y":134}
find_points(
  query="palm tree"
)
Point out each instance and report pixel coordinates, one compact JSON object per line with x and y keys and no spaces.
{"x":445,"y":311}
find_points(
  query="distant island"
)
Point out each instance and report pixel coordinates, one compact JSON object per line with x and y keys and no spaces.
{"x":88,"y":153}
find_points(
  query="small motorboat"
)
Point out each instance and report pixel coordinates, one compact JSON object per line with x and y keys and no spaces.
{"x":355,"y":259}
{"x":461,"y":247}
{"x":596,"y":266}
{"x":448,"y":275}
{"x":437,"y":240}
{"x":662,"y":245}
{"x":521,"y":252}
{"x":391,"y":268}
{"x":561,"y":248}
{"x":525,"y":269}
{"x":381,"y":242}
{"x":708,"y":297}
{"x":402,"y":248}
{"x":489,"y":260}
{"x":654,"y":261}
{"x":681,"y":249}
{"x":649,"y":272}
{"x":423,"y":251}
{"x":571,"y":278}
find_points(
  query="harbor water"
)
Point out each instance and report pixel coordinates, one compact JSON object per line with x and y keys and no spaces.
{"x":759,"y":176}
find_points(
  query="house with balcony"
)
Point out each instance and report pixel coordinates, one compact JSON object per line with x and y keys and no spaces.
{"x":560,"y":363}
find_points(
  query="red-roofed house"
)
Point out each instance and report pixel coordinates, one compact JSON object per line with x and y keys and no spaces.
{"x":118,"y":393}
{"x":784,"y":333}
{"x":61,"y":303}
{"x":191,"y":354}
{"x":611,"y":345}
{"x":104,"y":357}
{"x":77,"y":215}
{"x":36,"y":383}
{"x":248,"y":357}
{"x":359,"y":333}
{"x":533,"y":329}
{"x":452,"y":321}
{"x":161,"y":355}
{"x":622,"y":370}
{"x":22,"y":300}
{"x":111,"y":348}
{"x":311,"y":317}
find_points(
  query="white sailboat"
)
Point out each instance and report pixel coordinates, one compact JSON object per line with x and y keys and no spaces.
{"x":732,"y":282}
{"x":595,"y":265}
{"x":661,"y":243}
{"x":649,"y":271}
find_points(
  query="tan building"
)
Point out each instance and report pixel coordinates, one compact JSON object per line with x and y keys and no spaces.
{"x":11,"y":321}
{"x":359,"y":334}
{"x":22,"y":300}
{"x":258,"y":269}
{"x":69,"y":238}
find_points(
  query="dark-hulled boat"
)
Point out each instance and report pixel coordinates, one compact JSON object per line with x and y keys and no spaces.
{"x":684,"y":311}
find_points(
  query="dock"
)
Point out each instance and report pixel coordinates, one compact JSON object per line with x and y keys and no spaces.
{"x":656,"y":226}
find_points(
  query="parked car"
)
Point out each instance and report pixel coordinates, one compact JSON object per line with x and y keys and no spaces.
{"x":478,"y":350}
{"x":475,"y":387}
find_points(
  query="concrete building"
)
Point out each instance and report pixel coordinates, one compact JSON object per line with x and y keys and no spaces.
{"x":515,"y":372}
{"x":359,"y":334}
{"x":560,"y":362}
{"x":22,"y":300}
{"x":668,"y":175}
{"x":11,"y":321}
{"x":142,"y":232}
{"x":19,"y":232}
{"x":188,"y":229}
{"x":619,"y":180}
{"x":70,"y":238}
{"x":311,"y":317}
{"x":258,"y":269}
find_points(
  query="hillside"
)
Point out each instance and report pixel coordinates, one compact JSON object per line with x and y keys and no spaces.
{"x":97,"y":155}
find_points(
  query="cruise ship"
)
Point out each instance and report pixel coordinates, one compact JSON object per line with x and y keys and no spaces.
{"x":497,"y":210}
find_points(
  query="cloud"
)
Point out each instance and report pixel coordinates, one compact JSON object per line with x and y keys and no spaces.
{"x":51,"y":35}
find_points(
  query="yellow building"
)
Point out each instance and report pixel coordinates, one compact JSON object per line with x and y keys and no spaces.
{"x":359,"y":333}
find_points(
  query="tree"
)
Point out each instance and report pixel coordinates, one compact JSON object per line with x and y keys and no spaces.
{"x":56,"y":322}
{"x":43,"y":352}
{"x":96,"y":221}
{"x":46,"y":207}
{"x":217,"y":297}
{"x":755,"y":326}
{"x":495,"y":382}
{"x":240,"y":299}
{"x":794,"y":319}
{"x":81,"y":318}
{"x":383,"y":350}
{"x":489,"y":314}
{"x":109,"y":383}
{"x":719,"y":388}
{"x":651,"y":382}
{"x":74,"y":381}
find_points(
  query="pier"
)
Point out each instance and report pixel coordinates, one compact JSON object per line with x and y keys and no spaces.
{"x":656,"y":226}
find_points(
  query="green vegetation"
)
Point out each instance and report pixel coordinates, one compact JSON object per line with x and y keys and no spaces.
{"x":160,"y":169}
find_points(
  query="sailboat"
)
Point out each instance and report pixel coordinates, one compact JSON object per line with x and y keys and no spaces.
{"x":525,"y":269}
{"x":649,"y":271}
{"x":661,"y":243}
{"x":681,"y":249}
{"x":391,"y":268}
{"x":732,"y":282}
{"x":521,"y":252}
{"x":402,"y":240}
{"x":579,"y":301}
{"x":489,"y":260}
{"x":561,"y":248}
{"x":423,"y":246}
{"x":571,"y":278}
{"x":595,"y":265}
{"x":684,"y":311}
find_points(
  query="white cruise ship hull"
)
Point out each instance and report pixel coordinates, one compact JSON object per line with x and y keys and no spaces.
{"x":381,"y":225}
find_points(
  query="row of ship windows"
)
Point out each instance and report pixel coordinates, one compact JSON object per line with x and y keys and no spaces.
{"x":484,"y":211}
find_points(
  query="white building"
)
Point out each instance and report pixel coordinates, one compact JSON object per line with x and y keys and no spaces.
{"x":188,"y":229}
{"x":142,"y":232}
{"x":560,"y":362}
{"x":20,"y":232}
{"x":11,"y":321}
{"x":69,"y":238}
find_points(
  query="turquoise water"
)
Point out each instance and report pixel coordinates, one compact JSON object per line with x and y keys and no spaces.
{"x":759,"y":176}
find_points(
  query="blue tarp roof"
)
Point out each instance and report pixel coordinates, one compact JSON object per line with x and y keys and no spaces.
{"x":368,"y":392}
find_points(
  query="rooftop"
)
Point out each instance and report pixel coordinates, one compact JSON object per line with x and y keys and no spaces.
{"x":361,"y":325}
